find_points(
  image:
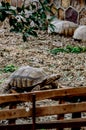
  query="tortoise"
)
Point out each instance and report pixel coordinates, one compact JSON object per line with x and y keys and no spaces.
{"x":80,"y":33}
{"x":63,"y":27}
{"x":27,"y":78}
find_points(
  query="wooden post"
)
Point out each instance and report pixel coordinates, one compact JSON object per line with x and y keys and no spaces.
{"x":12,"y":106}
{"x":76,"y":115}
{"x":34,"y":111}
{"x":61,"y":116}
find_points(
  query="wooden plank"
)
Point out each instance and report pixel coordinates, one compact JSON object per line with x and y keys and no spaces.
{"x":59,"y":93}
{"x":61,"y":109}
{"x":17,"y":127}
{"x":41,"y":95}
{"x":14,"y":113}
{"x":78,"y":122}
{"x":48,"y":125}
{"x":17,"y":97}
{"x":43,"y":111}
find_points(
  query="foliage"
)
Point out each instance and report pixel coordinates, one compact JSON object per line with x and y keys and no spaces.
{"x":26,"y":20}
{"x":69,"y":49}
{"x":9,"y":68}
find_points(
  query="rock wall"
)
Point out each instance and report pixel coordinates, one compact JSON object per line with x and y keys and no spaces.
{"x":14,"y":2}
{"x":18,"y":2}
{"x":71,"y":10}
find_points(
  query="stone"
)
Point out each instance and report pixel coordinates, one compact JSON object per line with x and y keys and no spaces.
{"x":61,"y":14}
{"x":71,"y":15}
{"x":82,"y":17}
{"x":65,"y":3}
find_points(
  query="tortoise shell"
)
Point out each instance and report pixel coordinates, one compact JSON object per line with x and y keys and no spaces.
{"x":26,"y":78}
{"x":80,"y":33}
{"x":63,"y":27}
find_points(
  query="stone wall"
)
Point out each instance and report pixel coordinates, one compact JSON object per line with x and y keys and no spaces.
{"x":14,"y":2}
{"x":18,"y":2}
{"x":71,"y":10}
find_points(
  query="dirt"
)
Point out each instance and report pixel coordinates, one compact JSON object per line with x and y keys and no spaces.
{"x":36,"y":52}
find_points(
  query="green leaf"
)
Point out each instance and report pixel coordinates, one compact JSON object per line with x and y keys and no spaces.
{"x":52,"y":27}
{"x":2,"y":16}
{"x":76,"y":50}
{"x":9,"y":68}
{"x":33,"y":6}
{"x":33,"y":33}
{"x":19,"y":9}
{"x":69,"y":49}
{"x":7,"y":5}
{"x":3,"y":3}
{"x":38,"y":16}
{"x":43,"y":15}
{"x":84,"y":49}
{"x":56,"y":50}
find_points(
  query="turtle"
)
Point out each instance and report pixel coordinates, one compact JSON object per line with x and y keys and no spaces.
{"x":62,"y":27}
{"x":80,"y":33}
{"x":27,"y":78}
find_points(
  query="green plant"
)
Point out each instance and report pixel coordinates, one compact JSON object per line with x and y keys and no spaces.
{"x":21,"y":22}
{"x":9,"y":68}
{"x":75,"y":49}
{"x":69,"y":49}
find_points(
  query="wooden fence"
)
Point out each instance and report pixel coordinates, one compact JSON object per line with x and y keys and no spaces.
{"x":71,"y":100}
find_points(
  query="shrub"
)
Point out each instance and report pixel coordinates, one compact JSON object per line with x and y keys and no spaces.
{"x":27,"y":23}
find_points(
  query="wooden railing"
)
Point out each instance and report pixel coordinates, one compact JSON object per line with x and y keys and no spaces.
{"x":71,"y":100}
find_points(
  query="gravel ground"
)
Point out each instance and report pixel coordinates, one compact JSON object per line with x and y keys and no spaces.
{"x":36,"y":52}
